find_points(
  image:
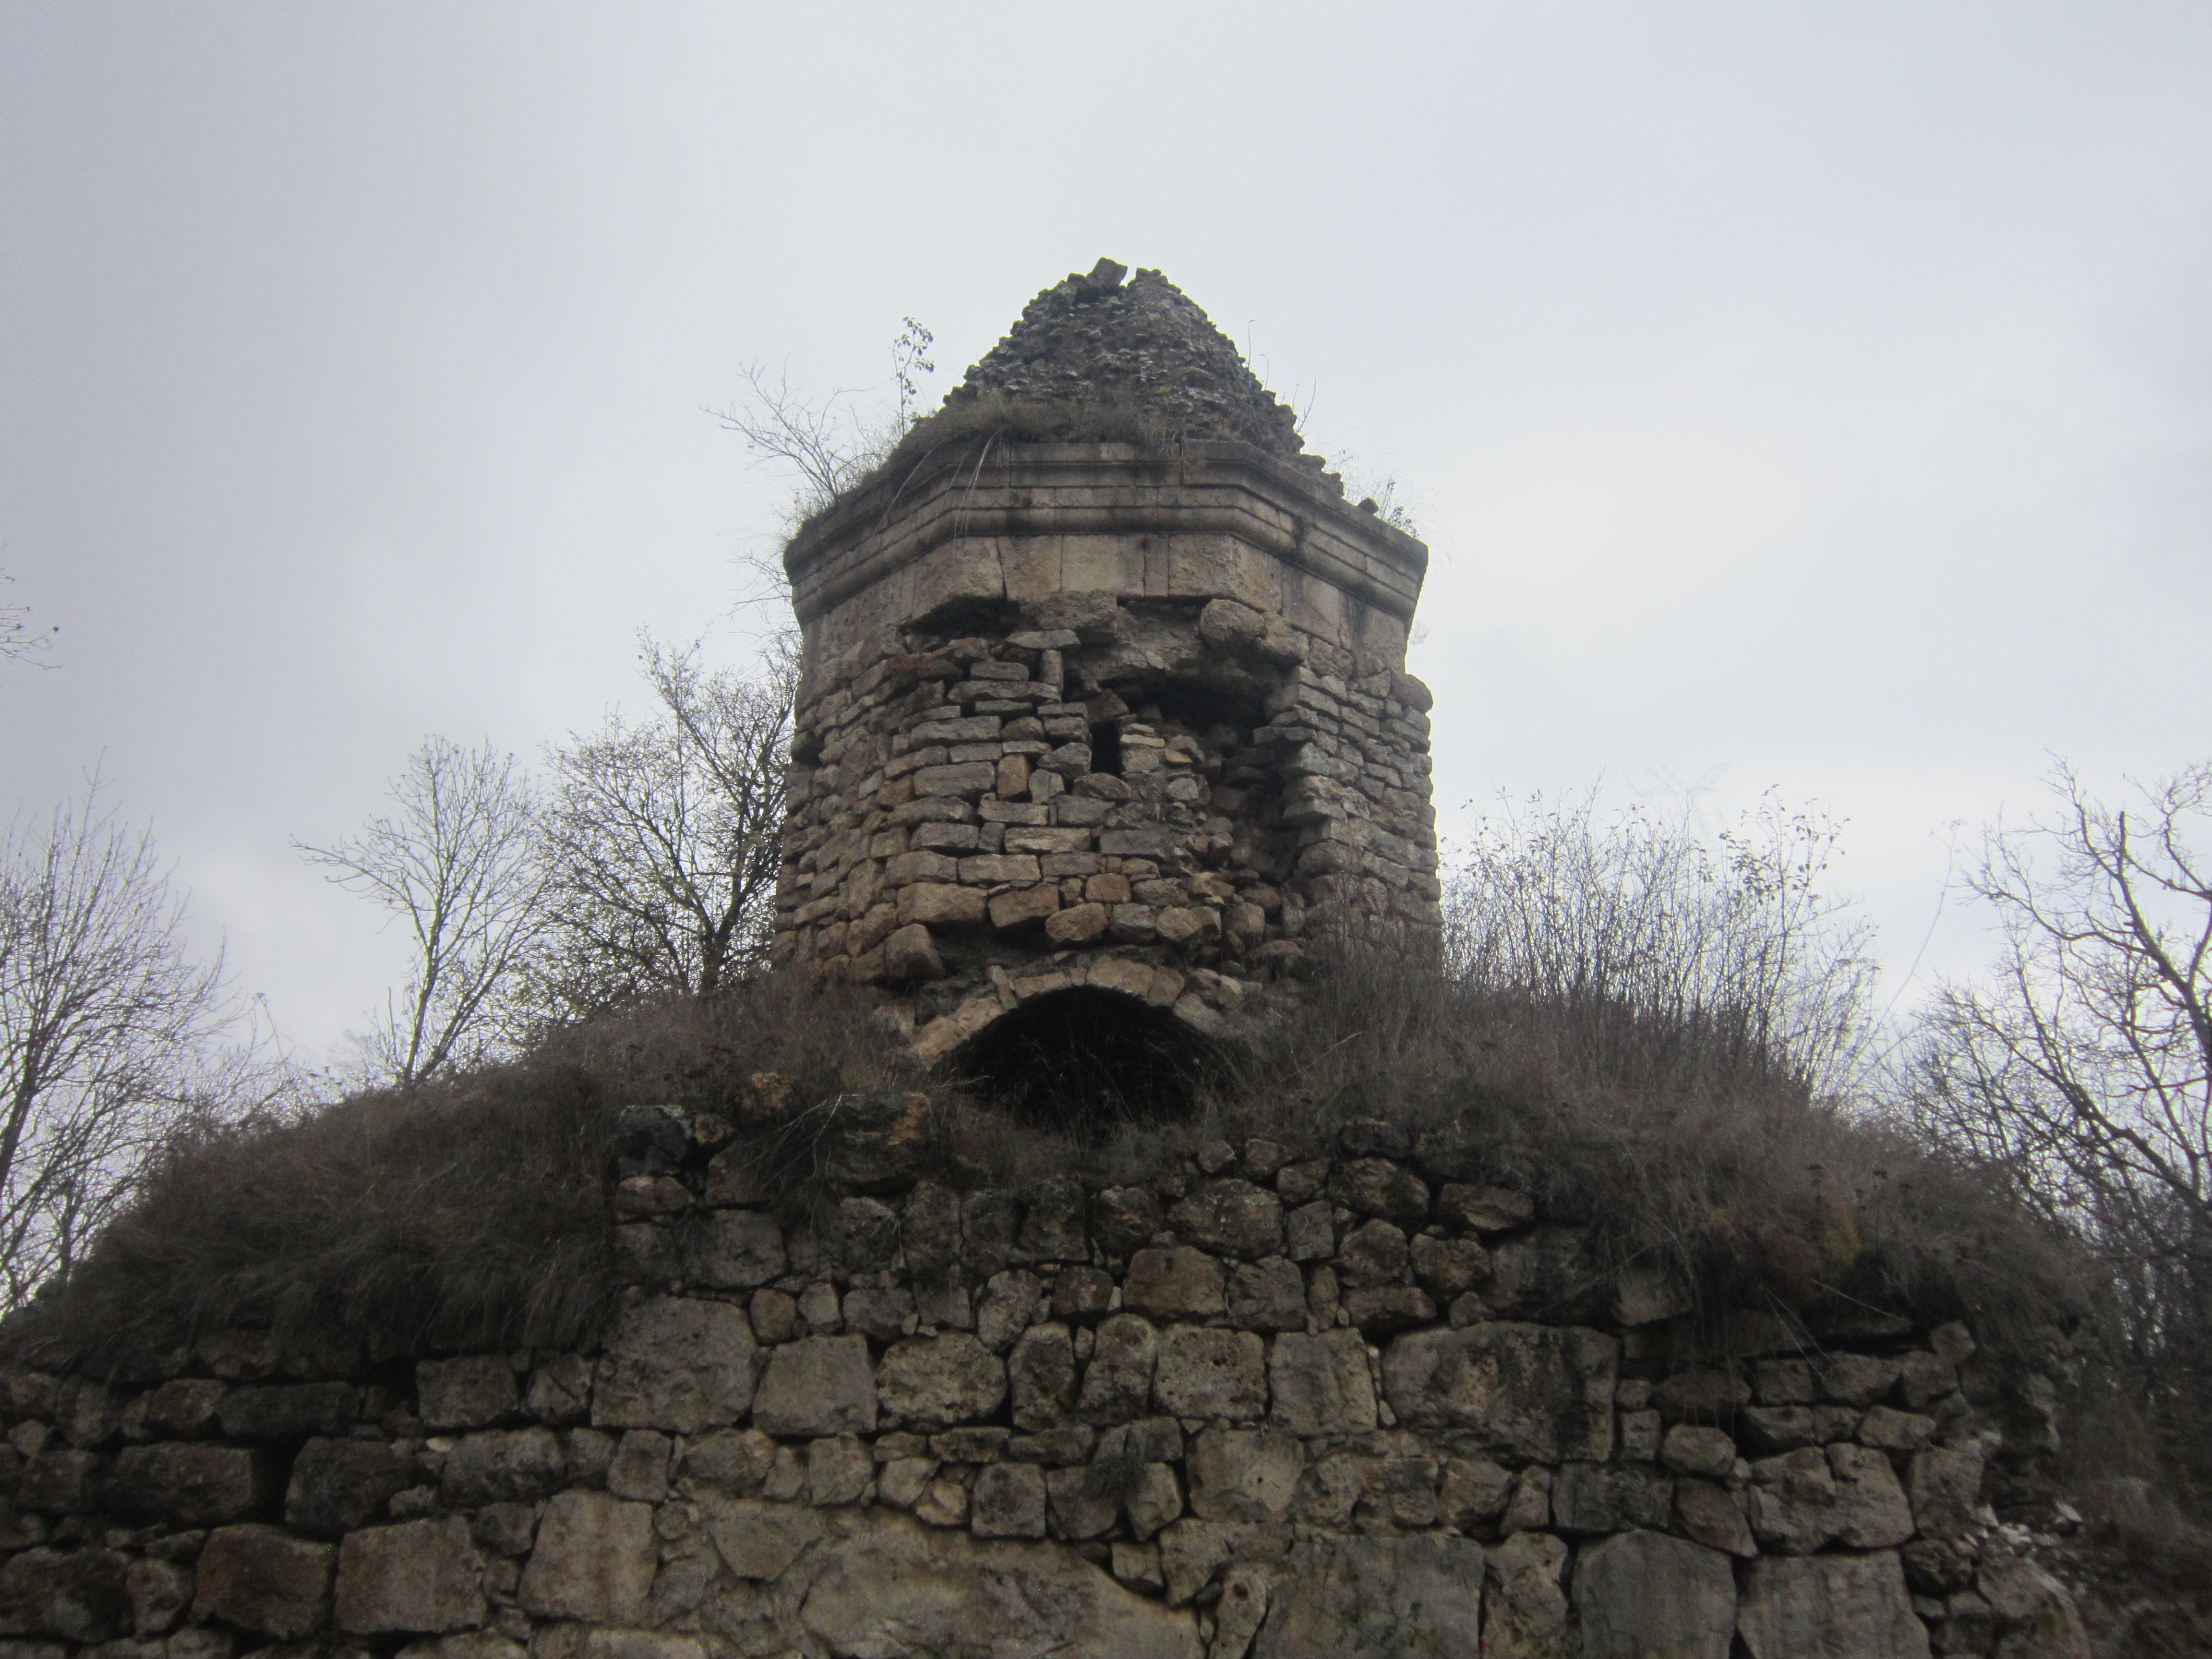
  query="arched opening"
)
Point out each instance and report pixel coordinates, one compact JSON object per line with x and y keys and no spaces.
{"x":1084,"y":1059}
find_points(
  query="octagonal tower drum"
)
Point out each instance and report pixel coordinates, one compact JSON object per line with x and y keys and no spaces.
{"x":1102,"y":685}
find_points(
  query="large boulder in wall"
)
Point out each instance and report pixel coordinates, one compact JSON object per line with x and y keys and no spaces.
{"x":893,"y":1587}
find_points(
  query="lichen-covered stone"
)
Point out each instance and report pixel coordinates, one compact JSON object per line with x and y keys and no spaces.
{"x":935,"y":1382}
{"x":1211,"y":1373}
{"x":1525,"y":1610}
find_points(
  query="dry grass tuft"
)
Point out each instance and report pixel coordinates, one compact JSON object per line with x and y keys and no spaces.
{"x":476,"y":1213}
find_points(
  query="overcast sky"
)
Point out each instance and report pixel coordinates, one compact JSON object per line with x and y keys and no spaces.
{"x":1792,"y":395}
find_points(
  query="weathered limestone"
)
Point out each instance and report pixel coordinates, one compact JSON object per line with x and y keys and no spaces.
{"x":1643,"y":1593}
{"x":1830,"y":1607}
{"x":422,"y":1576}
{"x":1123,"y":715}
{"x":971,"y":1404}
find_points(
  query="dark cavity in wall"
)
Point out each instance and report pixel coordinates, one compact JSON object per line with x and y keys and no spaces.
{"x":1083,"y":1060}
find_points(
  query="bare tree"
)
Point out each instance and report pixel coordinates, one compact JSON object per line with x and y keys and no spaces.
{"x":1640,"y":912}
{"x":455,"y":863}
{"x":103,"y":1022}
{"x":831,"y":445}
{"x":19,"y":640}
{"x":2084,"y":1067}
{"x":662,"y":837}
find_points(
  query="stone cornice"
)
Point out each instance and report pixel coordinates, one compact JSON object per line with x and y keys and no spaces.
{"x":1215,"y":487}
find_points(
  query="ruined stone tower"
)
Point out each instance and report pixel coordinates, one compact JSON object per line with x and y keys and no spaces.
{"x":1102,"y":707}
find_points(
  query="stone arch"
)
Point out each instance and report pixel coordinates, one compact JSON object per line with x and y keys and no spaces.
{"x":1085,"y":1057}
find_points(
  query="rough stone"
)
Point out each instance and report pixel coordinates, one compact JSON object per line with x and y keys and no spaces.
{"x":1690,"y":1449}
{"x":1855,"y":1379}
{"x":1830,"y":1607}
{"x":1367,"y":1598}
{"x":1117,"y":1383}
{"x":594,"y":1559}
{"x":1309,"y":1234}
{"x":1211,"y":1373}
{"x":1473,"y":1492}
{"x":2035,"y":1615}
{"x":1123,"y":1220}
{"x":1269,"y":1295}
{"x":1711,"y":1515}
{"x":1486,"y":1209}
{"x":733,"y":1249}
{"x":423,"y":1575}
{"x":1244,"y":1474}
{"x":1525,"y":1611}
{"x":160,"y":1593}
{"x":731,"y":1459}
{"x":79,"y":1595}
{"x":1321,"y":1384}
{"x":1041,"y":1373}
{"x":1538,"y":1392}
{"x":1378,"y":1186}
{"x":188,"y":1486}
{"x":1008,"y":1501}
{"x":839,"y":1470}
{"x":1182,"y":1283}
{"x":500,"y":1466}
{"x":935,"y":1382}
{"x":1009,"y":1304}
{"x":678,"y":1362}
{"x":472,"y":1391}
{"x":1643,"y":1593}
{"x":263,"y":1580}
{"x":1600,"y":1498}
{"x":1231,"y":1218}
{"x":1448,"y":1266}
{"x":288,"y":1411}
{"x":819,"y":1385}
{"x":1947,"y":1486}
{"x":892,"y":1587}
{"x":759,"y":1541}
{"x":1374,"y":1253}
{"x":339,"y":1484}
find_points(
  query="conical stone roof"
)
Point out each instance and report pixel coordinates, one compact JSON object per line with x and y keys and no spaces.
{"x":1139,"y":346}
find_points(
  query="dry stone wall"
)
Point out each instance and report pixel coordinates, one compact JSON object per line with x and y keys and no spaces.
{"x":1271,"y":1405}
{"x":1154,"y":759}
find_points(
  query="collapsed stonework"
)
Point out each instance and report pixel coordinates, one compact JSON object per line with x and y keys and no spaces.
{"x":1120,"y":721}
{"x":1313,"y":1407}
